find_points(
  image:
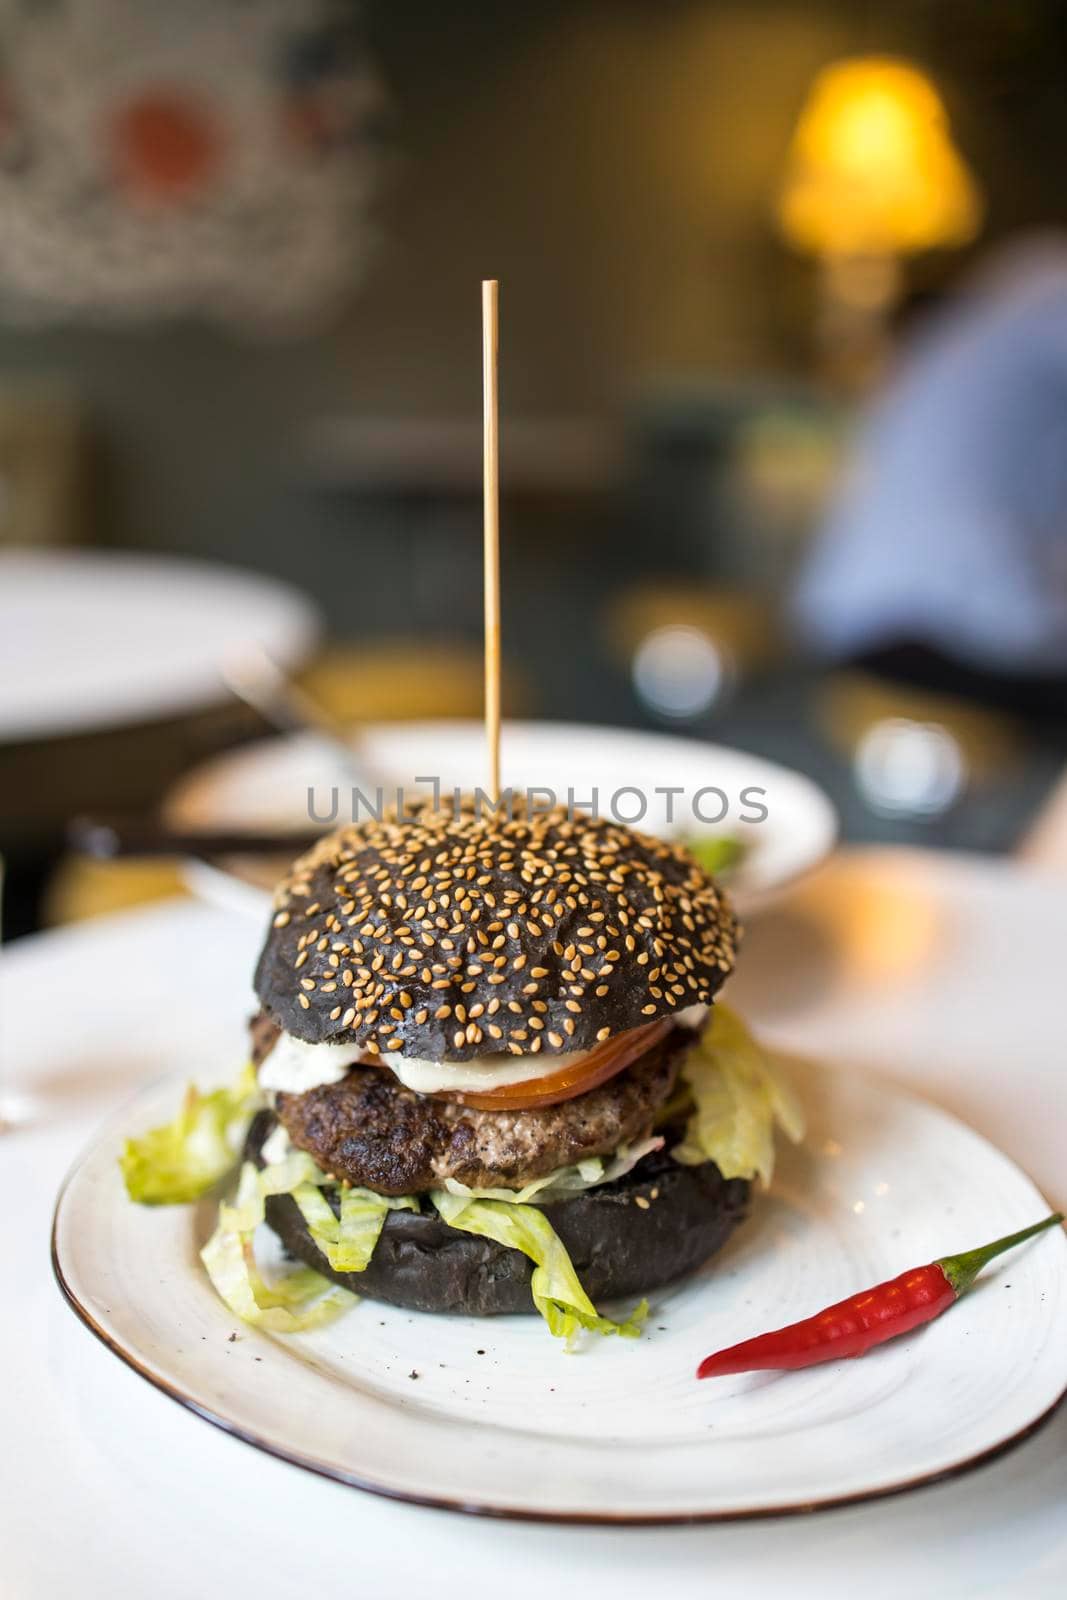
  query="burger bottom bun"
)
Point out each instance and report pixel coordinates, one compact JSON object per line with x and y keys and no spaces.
{"x":618,"y":1247}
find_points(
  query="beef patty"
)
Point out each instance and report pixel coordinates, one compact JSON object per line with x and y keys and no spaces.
{"x":376,"y":1133}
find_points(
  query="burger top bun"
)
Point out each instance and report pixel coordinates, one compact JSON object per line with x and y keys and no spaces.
{"x":449,"y":934}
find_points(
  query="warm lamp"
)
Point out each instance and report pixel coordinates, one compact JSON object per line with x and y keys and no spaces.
{"x":873,"y":176}
{"x":872,"y":167}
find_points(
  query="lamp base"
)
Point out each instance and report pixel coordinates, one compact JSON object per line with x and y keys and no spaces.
{"x":857,"y":294}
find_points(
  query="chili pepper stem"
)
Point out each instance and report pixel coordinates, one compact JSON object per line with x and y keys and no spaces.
{"x":961,"y":1270}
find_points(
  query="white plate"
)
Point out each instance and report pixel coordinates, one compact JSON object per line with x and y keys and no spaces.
{"x":493,"y":1416}
{"x":265,"y":786}
{"x":95,"y":639}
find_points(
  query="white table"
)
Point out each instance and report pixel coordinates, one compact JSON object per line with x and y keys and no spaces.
{"x":946,"y":973}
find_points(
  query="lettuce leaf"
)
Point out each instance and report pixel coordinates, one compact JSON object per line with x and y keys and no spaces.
{"x":183,"y":1159}
{"x":303,"y":1299}
{"x":557,"y":1292}
{"x":739,"y":1100}
{"x":348,"y":1241}
{"x":716,"y":853}
{"x":587,"y":1174}
{"x":248,"y":1208}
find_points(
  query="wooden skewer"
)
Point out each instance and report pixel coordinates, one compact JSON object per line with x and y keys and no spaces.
{"x":491,"y":492}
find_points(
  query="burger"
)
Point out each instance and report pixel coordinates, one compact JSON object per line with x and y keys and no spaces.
{"x":489,"y":1075}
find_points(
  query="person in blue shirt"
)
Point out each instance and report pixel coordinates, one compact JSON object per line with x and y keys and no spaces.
{"x":943,"y":558}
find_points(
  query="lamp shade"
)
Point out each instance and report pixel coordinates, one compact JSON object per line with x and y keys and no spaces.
{"x":872,"y":169}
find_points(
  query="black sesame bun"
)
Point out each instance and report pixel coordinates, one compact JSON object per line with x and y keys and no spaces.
{"x":449,"y":935}
{"x":658,"y":1223}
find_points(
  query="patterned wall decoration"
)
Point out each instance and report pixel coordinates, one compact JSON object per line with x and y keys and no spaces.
{"x":164,"y":158}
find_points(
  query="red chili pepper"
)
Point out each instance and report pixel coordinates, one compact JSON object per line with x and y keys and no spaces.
{"x":853,"y":1326}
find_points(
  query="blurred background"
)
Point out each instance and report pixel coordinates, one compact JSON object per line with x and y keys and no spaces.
{"x":783,"y":386}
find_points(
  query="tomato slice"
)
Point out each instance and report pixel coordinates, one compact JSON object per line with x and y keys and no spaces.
{"x":567,"y":1082}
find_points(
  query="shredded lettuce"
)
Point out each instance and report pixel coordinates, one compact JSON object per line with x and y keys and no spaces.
{"x":248,"y":1207}
{"x":303,"y":1299}
{"x":587,"y":1174}
{"x":739,"y":1099}
{"x":557,"y":1292}
{"x":348,"y":1241}
{"x":716,"y":853}
{"x":183,"y":1159}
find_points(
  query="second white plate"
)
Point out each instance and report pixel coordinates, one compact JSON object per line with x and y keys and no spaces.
{"x":266,"y":785}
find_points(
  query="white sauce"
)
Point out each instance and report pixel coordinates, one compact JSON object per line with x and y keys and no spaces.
{"x":276,"y":1146}
{"x":484,"y":1072}
{"x":295,"y":1066}
{"x":692,"y":1017}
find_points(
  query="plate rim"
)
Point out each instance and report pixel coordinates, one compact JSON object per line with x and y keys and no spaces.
{"x":457,"y":1504}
